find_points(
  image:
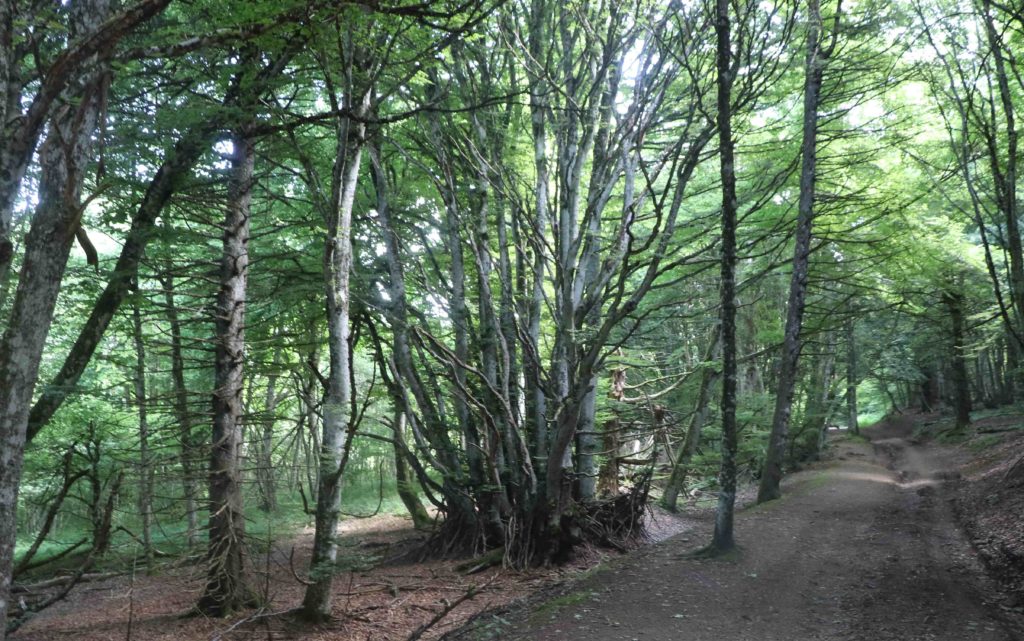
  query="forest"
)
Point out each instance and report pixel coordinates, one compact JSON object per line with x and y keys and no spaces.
{"x":519,"y":271}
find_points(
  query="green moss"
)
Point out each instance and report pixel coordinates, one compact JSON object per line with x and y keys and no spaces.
{"x":983,"y":442}
{"x":710,"y":553}
{"x":550,"y":608}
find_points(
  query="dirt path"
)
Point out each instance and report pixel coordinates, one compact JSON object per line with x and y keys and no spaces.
{"x":863,"y":548}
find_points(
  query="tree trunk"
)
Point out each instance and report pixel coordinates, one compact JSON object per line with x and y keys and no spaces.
{"x":265,"y":466}
{"x":681,"y":466}
{"x":64,"y":157}
{"x":403,"y":477}
{"x":723,"y":539}
{"x":961,"y":383}
{"x":227,"y":587}
{"x":186,"y":439}
{"x":145,"y":467}
{"x":851,"y":378}
{"x":1006,"y":180}
{"x":819,"y":405}
{"x":536,"y":397}
{"x":338,"y":426}
{"x":771,"y":474}
{"x":608,"y":478}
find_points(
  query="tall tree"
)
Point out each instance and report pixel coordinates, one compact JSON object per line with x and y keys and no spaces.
{"x":352,"y":97}
{"x":145,"y":464}
{"x":723,"y":539}
{"x":64,"y":158}
{"x":817,"y":56}
{"x":227,"y":588}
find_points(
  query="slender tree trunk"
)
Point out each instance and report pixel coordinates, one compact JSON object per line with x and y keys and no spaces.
{"x":186,"y":439}
{"x":587,"y":444}
{"x":961,"y":382}
{"x":1006,"y":181}
{"x":227,"y":588}
{"x":771,"y":474}
{"x":851,"y":378}
{"x":1011,"y":373}
{"x":265,"y":467}
{"x":338,"y":426}
{"x":145,"y":466}
{"x":64,"y":157}
{"x":820,"y":393}
{"x":403,"y":478}
{"x":723,"y":539}
{"x":608,"y":477}
{"x":536,"y":398}
{"x":681,"y":466}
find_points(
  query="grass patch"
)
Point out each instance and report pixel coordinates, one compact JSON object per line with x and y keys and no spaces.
{"x":942,"y":431}
{"x":550,"y":608}
{"x":983,"y":442}
{"x":867,"y":419}
{"x":1006,"y":410}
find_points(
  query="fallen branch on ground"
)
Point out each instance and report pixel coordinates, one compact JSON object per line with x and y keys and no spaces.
{"x":449,"y":606}
{"x":61,"y":580}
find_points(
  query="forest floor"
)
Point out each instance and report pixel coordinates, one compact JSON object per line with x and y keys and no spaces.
{"x":383,"y":593}
{"x":865,"y":546}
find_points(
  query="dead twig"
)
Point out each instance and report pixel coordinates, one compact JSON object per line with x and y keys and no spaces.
{"x":260,"y":614}
{"x":471,"y":592}
{"x":291,"y":566}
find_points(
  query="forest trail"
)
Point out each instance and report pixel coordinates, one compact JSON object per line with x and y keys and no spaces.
{"x":862,"y":548}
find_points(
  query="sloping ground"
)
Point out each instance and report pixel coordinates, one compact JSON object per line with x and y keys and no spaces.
{"x":990,"y":502}
{"x":863,"y":548}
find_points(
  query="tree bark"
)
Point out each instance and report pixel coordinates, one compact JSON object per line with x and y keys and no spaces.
{"x":64,"y":158}
{"x":227,"y":588}
{"x":771,"y":474}
{"x":145,"y":467}
{"x":961,"y":382}
{"x":403,"y":477}
{"x":186,"y":439}
{"x":852,"y":423}
{"x":723,"y":539}
{"x":536,"y":397}
{"x":265,"y":466}
{"x":681,"y":466}
{"x":338,"y":425}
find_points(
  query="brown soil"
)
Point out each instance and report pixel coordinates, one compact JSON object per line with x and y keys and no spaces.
{"x":384,"y":598}
{"x":990,"y":503}
{"x":863,"y":547}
